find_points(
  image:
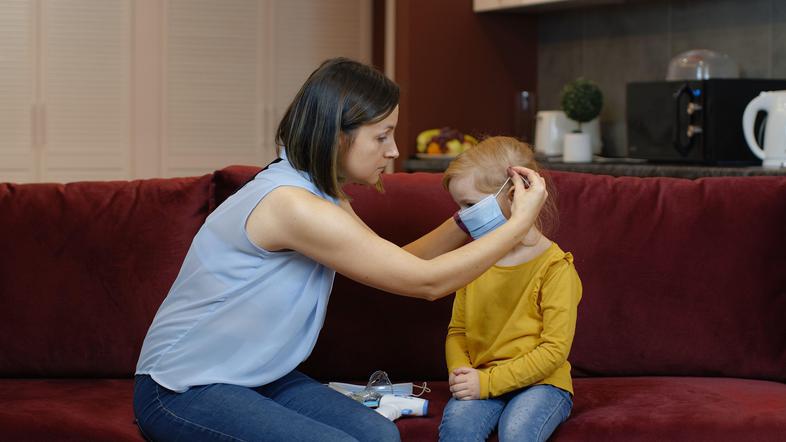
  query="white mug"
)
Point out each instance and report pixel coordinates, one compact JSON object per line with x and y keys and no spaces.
{"x":550,"y":129}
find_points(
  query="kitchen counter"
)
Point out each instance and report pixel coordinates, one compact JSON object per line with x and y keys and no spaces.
{"x":619,"y":167}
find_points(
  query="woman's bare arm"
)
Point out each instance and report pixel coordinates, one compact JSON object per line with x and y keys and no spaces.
{"x":293,"y":218}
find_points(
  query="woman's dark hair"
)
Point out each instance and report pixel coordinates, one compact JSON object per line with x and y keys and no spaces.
{"x":337,"y":98}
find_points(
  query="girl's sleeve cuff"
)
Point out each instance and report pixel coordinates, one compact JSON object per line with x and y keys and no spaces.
{"x":484,"y":384}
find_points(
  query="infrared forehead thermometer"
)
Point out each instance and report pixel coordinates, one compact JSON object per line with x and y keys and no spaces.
{"x":393,"y":407}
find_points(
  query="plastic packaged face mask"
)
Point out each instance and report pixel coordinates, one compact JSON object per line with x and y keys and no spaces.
{"x":484,"y":216}
{"x":401,"y":389}
{"x":378,"y":385}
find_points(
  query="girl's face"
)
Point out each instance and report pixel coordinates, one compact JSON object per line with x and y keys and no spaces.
{"x":465,"y":194}
{"x":370,"y":152}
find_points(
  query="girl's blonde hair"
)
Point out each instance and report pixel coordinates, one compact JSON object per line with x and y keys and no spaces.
{"x":488,"y":163}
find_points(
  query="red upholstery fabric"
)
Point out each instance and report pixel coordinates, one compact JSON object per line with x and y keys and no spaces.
{"x":605,"y":409}
{"x":84,"y":268}
{"x":67,"y":410}
{"x":650,"y":409}
{"x":681,"y":277}
{"x":227,"y":181}
{"x":675,"y":409}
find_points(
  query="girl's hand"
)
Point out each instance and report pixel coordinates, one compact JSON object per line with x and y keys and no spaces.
{"x":465,"y":384}
{"x":527,"y":200}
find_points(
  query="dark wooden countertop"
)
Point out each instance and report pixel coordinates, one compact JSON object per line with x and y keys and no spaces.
{"x":620,"y":167}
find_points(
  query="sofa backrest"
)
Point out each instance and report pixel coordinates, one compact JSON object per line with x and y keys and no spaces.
{"x":84,"y":267}
{"x":680,"y":277}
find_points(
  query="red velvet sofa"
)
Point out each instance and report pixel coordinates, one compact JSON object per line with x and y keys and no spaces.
{"x":681,"y":332}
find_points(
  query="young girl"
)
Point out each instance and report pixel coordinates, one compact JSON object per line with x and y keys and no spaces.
{"x":219,"y":360}
{"x":511,"y":331}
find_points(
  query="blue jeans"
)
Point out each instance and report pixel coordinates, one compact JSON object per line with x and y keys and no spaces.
{"x":293,"y":408}
{"x":529,"y":414}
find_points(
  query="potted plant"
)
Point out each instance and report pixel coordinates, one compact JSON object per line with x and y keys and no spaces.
{"x":581,"y":101}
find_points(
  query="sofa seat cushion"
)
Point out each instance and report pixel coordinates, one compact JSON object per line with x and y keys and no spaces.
{"x":650,"y":409}
{"x":605,"y":409}
{"x":67,"y":410}
{"x":675,"y":409}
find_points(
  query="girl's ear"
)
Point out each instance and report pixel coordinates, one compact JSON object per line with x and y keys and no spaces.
{"x":510,"y":193}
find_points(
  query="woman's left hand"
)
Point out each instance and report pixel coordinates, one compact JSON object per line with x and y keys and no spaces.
{"x":465,"y":384}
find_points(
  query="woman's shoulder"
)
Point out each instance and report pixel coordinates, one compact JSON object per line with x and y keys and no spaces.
{"x":283,"y":174}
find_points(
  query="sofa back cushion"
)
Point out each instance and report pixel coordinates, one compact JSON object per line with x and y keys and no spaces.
{"x":680,"y":277}
{"x":84,"y":268}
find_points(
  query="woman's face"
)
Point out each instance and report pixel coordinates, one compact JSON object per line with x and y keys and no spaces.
{"x":371,"y":150}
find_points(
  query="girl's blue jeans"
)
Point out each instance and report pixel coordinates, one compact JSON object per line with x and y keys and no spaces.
{"x":293,"y":408}
{"x":529,"y":414}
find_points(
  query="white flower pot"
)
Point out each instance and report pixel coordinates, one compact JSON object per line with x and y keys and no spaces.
{"x":577,"y":148}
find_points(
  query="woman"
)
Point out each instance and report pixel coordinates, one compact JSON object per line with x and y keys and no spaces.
{"x":218,"y":362}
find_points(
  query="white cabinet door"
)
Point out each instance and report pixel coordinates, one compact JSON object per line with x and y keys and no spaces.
{"x":122,"y":89}
{"x":64,"y":90}
{"x":305,"y":33}
{"x":85,"y":87}
{"x":234,"y":66}
{"x":17,"y":92}
{"x":211,"y":85}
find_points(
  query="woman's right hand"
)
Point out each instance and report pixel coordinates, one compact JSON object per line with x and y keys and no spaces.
{"x":527,"y":200}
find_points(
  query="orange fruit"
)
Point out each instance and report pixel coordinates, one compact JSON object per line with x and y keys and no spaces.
{"x":433,"y":148}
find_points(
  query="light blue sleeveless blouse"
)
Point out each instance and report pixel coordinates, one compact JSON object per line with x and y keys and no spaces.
{"x":236,"y":313}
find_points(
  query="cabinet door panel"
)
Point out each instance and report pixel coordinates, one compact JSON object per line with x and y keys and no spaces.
{"x":85,"y":87}
{"x":306,"y":32}
{"x":17,"y":89}
{"x":212,"y":85}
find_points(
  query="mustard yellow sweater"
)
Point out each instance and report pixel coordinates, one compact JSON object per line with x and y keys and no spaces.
{"x":515,"y":325}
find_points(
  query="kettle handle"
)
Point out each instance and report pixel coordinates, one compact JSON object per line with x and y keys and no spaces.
{"x":760,"y":103}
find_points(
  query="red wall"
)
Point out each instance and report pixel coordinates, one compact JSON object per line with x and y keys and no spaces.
{"x":460,"y":69}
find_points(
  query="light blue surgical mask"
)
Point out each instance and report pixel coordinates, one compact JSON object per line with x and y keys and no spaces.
{"x":484,"y":216}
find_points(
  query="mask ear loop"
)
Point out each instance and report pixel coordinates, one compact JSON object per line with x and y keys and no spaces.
{"x":500,"y":189}
{"x":423,"y":389}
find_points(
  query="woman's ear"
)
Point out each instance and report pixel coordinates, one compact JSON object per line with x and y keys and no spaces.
{"x":344,"y":140}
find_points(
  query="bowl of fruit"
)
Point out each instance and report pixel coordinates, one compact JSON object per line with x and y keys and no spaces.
{"x":443,"y":143}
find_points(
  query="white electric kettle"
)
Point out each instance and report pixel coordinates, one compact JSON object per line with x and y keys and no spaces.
{"x":551,"y":127}
{"x":773,"y":153}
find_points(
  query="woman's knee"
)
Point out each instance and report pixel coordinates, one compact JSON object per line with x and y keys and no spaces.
{"x":387,"y":432}
{"x":376,"y":427}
